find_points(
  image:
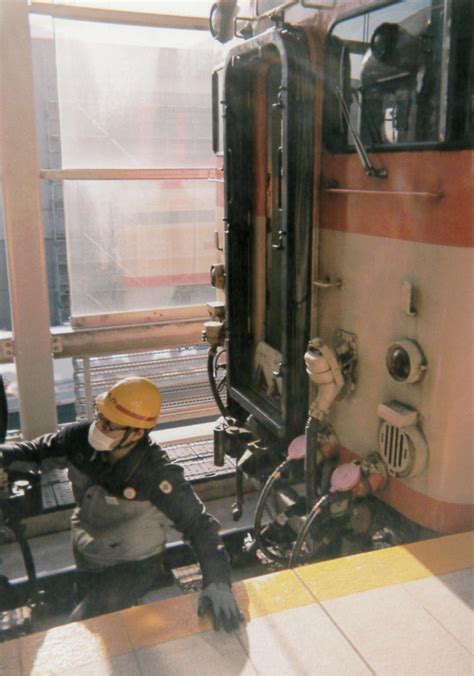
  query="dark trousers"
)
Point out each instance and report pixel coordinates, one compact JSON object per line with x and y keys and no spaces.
{"x":114,"y":588}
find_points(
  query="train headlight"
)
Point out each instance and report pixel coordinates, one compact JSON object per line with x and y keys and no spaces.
{"x":384,"y":42}
{"x":392,"y":45}
{"x":405,"y":361}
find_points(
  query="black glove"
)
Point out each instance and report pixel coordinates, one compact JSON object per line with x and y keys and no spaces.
{"x":219,"y":599}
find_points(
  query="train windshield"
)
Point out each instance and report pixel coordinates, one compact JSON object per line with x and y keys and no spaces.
{"x":397,"y":69}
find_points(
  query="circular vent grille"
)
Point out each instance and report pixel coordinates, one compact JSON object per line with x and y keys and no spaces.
{"x":397,"y":450}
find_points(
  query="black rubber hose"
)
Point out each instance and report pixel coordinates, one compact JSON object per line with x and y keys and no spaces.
{"x":3,"y":411}
{"x":317,"y":512}
{"x":261,"y":502}
{"x":212,"y":382}
{"x":18,"y":529}
{"x":313,"y":427}
{"x":239,"y":494}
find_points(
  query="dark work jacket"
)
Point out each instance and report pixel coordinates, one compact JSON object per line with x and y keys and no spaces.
{"x":143,"y":477}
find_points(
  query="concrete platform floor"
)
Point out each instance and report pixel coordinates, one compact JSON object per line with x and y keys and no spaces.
{"x":402,"y":610}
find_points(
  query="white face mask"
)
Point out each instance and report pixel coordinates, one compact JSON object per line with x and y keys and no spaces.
{"x":100,"y":441}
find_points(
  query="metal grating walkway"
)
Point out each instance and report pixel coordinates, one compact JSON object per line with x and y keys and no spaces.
{"x":197,"y":460}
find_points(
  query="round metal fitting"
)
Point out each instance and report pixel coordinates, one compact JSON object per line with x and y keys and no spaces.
{"x":405,"y":361}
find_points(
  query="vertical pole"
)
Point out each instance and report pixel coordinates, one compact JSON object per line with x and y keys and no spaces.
{"x":88,"y":387}
{"x":24,"y":234}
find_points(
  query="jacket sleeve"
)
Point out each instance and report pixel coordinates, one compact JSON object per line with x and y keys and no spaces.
{"x":174,"y":496}
{"x":47,"y":446}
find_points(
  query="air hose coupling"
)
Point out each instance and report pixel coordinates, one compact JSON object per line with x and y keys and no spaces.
{"x":214,"y":329}
{"x":213,"y":333}
{"x":324,"y":370}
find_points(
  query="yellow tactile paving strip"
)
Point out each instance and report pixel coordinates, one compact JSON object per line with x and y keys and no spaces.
{"x":361,"y":572}
{"x":176,"y":618}
{"x":70,"y":646}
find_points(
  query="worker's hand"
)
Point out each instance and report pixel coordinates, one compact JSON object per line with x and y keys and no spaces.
{"x":219,"y":599}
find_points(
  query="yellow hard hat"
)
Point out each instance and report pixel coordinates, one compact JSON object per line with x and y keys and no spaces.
{"x":132,"y":402}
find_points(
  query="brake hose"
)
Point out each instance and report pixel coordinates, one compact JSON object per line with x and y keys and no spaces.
{"x":212,"y":382}
{"x":3,"y":411}
{"x":262,"y":499}
{"x":317,"y":511}
{"x":313,"y":427}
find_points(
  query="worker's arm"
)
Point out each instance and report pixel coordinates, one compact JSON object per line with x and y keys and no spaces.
{"x":55,"y":445}
{"x":174,"y":496}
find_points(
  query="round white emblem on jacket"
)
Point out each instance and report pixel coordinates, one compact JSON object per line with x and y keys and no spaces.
{"x":166,"y":487}
{"x":129,"y":493}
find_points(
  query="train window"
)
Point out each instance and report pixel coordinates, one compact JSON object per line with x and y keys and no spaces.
{"x":264,"y":6}
{"x":397,"y":69}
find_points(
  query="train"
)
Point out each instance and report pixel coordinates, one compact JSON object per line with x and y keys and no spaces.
{"x":344,"y":132}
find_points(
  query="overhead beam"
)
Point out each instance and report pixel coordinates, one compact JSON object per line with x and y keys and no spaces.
{"x":113,"y":340}
{"x":66,"y":342}
{"x":118,"y":16}
{"x":127,"y":174}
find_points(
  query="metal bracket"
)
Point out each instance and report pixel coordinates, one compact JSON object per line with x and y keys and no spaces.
{"x":280,"y":102}
{"x":345,"y":342}
{"x":329,"y":4}
{"x":218,"y":276}
{"x":56,"y":344}
{"x":345,"y":346}
{"x":327,"y":284}
{"x":7,"y":350}
{"x":216,"y":240}
{"x":409,"y":299}
{"x":277,"y":15}
{"x":280,"y":244}
{"x":247,"y":30}
{"x":279,"y":371}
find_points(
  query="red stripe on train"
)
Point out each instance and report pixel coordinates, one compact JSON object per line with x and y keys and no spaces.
{"x":362,"y":207}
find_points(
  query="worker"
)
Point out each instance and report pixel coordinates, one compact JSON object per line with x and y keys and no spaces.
{"x":126,"y":492}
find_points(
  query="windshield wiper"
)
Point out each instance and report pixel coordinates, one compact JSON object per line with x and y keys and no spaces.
{"x":359,"y":146}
